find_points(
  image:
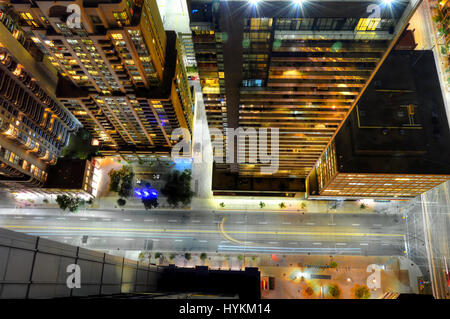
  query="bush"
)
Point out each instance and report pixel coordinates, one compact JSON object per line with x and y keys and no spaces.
{"x":262,"y":205}
{"x":203,"y":256}
{"x":121,"y":202}
{"x":240,"y":257}
{"x":172,"y":256}
{"x":222,"y":204}
{"x":282,"y":205}
{"x":150,"y":203}
{"x":187,"y":256}
{"x":45,"y":200}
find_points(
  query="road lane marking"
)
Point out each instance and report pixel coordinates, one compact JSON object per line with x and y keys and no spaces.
{"x":38,"y":217}
{"x":202,"y":241}
{"x":292,"y":243}
{"x":341,"y":244}
{"x":83,"y":219}
{"x":196,"y":221}
{"x":155,"y":239}
{"x":106,"y":219}
{"x":286,"y":223}
{"x":18,"y":217}
{"x":273,"y":242}
{"x":178,"y":239}
{"x":67,"y":237}
{"x":263,"y":223}
{"x":377,"y":225}
{"x":127,"y":220}
{"x":129,"y":239}
{"x":148,"y":220}
{"x":364,"y":244}
{"x":331,"y":224}
{"x":355,"y":224}
{"x":61,"y":218}
{"x":311,"y":224}
{"x":240,"y":222}
{"x":87,"y":228}
{"x":172,"y":220}
{"x":317,"y":243}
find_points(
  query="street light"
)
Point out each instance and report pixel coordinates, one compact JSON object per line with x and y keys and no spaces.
{"x":388,"y":2}
{"x":298,"y":2}
{"x":253,"y":2}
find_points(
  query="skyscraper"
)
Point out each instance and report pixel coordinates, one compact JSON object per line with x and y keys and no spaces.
{"x":121,"y":74}
{"x":298,"y":66}
{"x":394,"y":143}
{"x":34,"y":126}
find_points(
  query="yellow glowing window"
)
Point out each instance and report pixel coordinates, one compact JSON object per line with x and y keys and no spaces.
{"x":221,"y":75}
{"x":367,"y":24}
{"x":73,"y":61}
{"x":144,"y":58}
{"x":117,"y":36}
{"x":130,"y":62}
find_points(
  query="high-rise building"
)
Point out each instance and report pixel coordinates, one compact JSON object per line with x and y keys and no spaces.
{"x":34,"y":125}
{"x":121,"y":74}
{"x":395,"y":142}
{"x":298,"y":66}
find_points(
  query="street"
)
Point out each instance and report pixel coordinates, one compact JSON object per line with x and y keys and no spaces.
{"x":216,"y":231}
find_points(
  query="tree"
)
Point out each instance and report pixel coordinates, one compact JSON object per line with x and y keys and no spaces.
{"x":262,"y":205}
{"x":114,"y":176}
{"x":90,"y":201}
{"x":362,"y":206}
{"x":178,"y":188}
{"x":141,"y":256}
{"x":222,"y":204}
{"x":240,"y":257}
{"x":361,"y":292}
{"x":172,"y":256}
{"x":121,"y":202}
{"x":333,"y":264}
{"x":69,"y":202}
{"x":334,"y":290}
{"x":187,"y":256}
{"x":282,"y":205}
{"x":158,"y":255}
{"x":122,"y":181}
{"x":303,"y":205}
{"x":150,"y":203}
{"x":308,"y":291}
{"x":45,"y":200}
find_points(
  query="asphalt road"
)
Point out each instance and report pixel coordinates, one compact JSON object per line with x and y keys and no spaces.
{"x":206,"y":231}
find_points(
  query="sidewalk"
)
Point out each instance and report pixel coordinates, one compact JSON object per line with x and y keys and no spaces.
{"x":397,"y":274}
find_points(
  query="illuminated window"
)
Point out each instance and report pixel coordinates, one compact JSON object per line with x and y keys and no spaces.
{"x":122,"y":18}
{"x":28,"y":18}
{"x":367,"y":24}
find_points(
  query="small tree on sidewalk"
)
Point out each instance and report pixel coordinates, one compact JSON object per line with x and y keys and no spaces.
{"x":203,"y":257}
{"x":333,"y":264}
{"x":282,"y":205}
{"x":262,"y":205}
{"x":334,"y":290}
{"x":361,"y":292}
{"x":308,"y":291}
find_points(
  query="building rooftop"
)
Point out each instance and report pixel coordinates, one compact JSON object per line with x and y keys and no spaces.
{"x":399,"y":125}
{"x":66,"y":174}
